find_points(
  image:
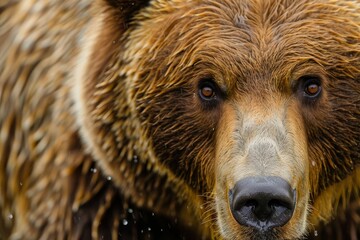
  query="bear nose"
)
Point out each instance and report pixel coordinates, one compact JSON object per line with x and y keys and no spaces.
{"x":262,"y":202}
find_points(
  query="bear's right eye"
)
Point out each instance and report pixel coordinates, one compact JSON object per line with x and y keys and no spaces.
{"x":208,"y":90}
{"x":209,"y":93}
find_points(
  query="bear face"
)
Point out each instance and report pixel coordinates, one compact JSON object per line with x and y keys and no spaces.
{"x":244,"y":90}
{"x":239,"y":119}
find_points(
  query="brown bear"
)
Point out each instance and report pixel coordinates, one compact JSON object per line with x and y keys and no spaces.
{"x":177,"y":119}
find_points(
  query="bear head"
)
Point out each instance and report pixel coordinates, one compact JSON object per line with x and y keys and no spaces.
{"x":241,"y":116}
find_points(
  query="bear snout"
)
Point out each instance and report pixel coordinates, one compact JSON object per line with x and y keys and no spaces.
{"x":262,"y":173}
{"x":262,"y":203}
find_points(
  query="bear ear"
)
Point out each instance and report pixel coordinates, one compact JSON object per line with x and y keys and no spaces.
{"x":127,"y":8}
{"x":110,"y":20}
{"x":102,"y":45}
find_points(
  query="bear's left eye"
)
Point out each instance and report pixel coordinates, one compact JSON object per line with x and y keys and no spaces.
{"x":312,"y":88}
{"x":309,"y":87}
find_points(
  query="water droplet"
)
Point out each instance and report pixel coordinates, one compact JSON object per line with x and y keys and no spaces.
{"x":130,"y":210}
{"x":149,"y":229}
{"x":313,"y":163}
{"x":142,"y":231}
{"x":152,"y":214}
{"x":161,"y":230}
{"x":20,"y":183}
{"x":109,"y":178}
{"x":125,"y":222}
{"x":135,"y":159}
{"x":11,"y":216}
{"x":315,"y":233}
{"x":94,"y":170}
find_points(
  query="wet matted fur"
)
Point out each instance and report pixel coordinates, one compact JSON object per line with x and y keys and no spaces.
{"x":104,"y":132}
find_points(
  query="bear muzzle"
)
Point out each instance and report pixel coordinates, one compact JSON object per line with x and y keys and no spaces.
{"x":262,"y":203}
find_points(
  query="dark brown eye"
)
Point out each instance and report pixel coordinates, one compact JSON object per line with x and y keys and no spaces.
{"x":312,"y":88}
{"x":207,"y":92}
{"x":308,"y":89}
{"x":210,"y":94}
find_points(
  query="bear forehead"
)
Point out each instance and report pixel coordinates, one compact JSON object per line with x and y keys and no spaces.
{"x":248,"y":40}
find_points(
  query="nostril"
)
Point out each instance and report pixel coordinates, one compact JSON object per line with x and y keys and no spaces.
{"x":251,"y":203}
{"x":262,"y":202}
{"x":279,"y":204}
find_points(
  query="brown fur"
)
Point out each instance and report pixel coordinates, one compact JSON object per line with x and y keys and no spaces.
{"x":100,"y":114}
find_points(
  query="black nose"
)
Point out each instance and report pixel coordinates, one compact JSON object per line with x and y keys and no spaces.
{"x":262,"y":202}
